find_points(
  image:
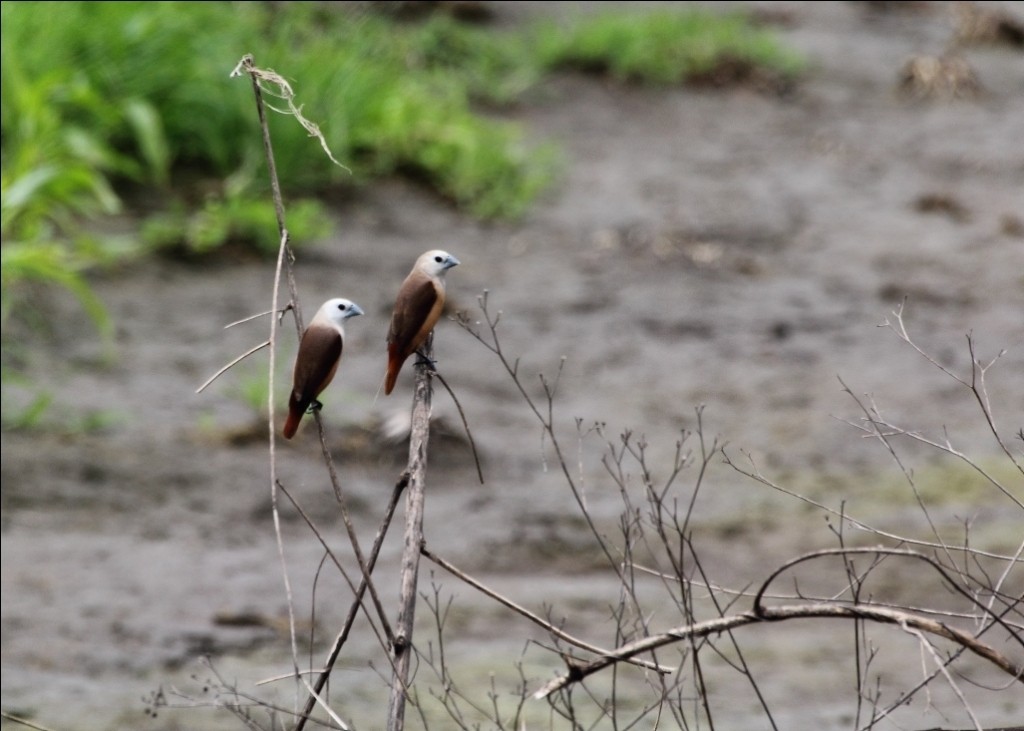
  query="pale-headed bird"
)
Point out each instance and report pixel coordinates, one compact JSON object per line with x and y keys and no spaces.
{"x":317,"y":361}
{"x":417,"y":309}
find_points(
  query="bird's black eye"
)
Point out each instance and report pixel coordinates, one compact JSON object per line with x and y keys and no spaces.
{"x":438,"y":259}
{"x":341,"y":307}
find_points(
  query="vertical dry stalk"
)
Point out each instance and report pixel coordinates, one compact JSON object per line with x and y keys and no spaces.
{"x":414,"y":502}
{"x":284,"y":268}
{"x":283,"y":254}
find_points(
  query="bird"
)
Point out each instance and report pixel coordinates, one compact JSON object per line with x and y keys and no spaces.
{"x":417,"y":309}
{"x":318,"y":357}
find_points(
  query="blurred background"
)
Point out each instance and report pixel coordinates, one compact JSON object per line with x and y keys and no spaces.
{"x":692,"y":204}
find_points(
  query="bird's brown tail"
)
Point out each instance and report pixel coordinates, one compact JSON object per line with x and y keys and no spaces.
{"x":395,"y":361}
{"x":391,"y":377}
{"x":291,"y":425}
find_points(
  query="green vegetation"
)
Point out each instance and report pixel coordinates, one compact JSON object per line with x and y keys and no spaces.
{"x":102,"y":99}
{"x":104,"y":102}
{"x":669,"y":46}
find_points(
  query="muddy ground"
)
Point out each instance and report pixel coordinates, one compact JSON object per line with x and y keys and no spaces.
{"x":726,"y":247}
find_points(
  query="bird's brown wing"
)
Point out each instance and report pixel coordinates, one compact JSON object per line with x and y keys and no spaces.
{"x":316,"y":364}
{"x":417,"y":309}
{"x":416,"y":302}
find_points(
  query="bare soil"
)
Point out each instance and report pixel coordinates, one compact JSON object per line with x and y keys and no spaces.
{"x":723,"y":247}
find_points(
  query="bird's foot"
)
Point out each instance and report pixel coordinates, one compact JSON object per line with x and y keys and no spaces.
{"x":423,"y":360}
{"x":314,"y":406}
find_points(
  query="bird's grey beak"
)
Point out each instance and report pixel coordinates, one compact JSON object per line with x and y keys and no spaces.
{"x":451,"y":262}
{"x":355,"y":310}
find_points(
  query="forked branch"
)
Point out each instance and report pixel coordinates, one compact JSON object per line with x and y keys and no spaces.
{"x":761,"y":613}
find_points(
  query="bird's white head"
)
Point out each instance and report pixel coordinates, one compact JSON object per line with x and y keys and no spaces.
{"x":337,"y":310}
{"x":436,"y":262}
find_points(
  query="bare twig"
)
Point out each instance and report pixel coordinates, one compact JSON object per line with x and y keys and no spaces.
{"x":518,"y":609}
{"x":339,"y":641}
{"x":544,"y":413}
{"x":283,"y":91}
{"x":250,"y":318}
{"x":760,"y":609}
{"x":232,"y":364}
{"x":907,"y":473}
{"x":875,"y":426}
{"x":465,"y":424}
{"x":976,"y":382}
{"x":941,"y":666}
{"x":755,"y":474}
{"x":350,"y":529}
{"x":247,"y":63}
{"x":23,"y":721}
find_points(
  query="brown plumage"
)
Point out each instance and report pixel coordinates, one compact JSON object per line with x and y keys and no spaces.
{"x":317,"y":360}
{"x":418,"y":307}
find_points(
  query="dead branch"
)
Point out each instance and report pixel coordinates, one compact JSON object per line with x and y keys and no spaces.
{"x":23,"y":721}
{"x":232,"y":364}
{"x":465,"y":425}
{"x":414,"y":505}
{"x":282,"y":253}
{"x":339,"y":641}
{"x":578,"y":672}
{"x":762,"y":610}
{"x":975,"y":383}
{"x":548,"y":626}
{"x":760,"y":613}
{"x":755,"y":474}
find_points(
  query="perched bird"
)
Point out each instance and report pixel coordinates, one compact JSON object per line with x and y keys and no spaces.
{"x":318,"y":358}
{"x":417,"y":308}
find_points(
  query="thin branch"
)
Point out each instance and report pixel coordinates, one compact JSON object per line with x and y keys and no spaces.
{"x":245,"y":355}
{"x":23,"y":721}
{"x":941,"y":665}
{"x":976,"y":384}
{"x":283,"y":91}
{"x":465,"y":425}
{"x":546,"y":417}
{"x":339,"y":641}
{"x":250,"y":318}
{"x":907,"y":473}
{"x":323,"y":704}
{"x":859,"y":524}
{"x":358,"y":603}
{"x":350,"y":529}
{"x":518,"y":609}
{"x":232,"y":364}
{"x":761,"y":610}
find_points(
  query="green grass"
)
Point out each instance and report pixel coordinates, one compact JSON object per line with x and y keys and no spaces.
{"x":99,"y":99}
{"x":668,"y":46}
{"x":99,"y":94}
